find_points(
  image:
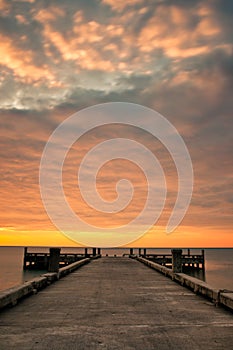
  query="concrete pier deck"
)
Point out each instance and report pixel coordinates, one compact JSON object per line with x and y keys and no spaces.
{"x":115,"y":303}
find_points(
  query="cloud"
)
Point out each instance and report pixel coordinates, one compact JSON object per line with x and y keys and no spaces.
{"x":4,"y":7}
{"x":63,"y":47}
{"x":175,"y":57}
{"x":24,"y":70}
{"x":180,"y":32}
{"x":120,"y":5}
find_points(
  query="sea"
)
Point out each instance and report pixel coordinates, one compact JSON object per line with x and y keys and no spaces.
{"x":218,"y":264}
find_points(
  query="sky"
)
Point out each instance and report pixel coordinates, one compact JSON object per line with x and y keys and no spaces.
{"x":175,"y":57}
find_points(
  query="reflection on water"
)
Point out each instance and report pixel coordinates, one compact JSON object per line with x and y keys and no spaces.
{"x":12,"y":273}
{"x":218,"y":273}
{"x":11,"y":267}
{"x":219,"y":268}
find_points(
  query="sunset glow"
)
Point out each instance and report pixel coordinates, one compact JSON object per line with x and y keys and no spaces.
{"x":172,"y":56}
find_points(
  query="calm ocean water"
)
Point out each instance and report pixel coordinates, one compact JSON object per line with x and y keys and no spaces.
{"x":218,"y":273}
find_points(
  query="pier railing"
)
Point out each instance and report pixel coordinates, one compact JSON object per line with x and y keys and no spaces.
{"x":194,"y":260}
{"x":55,"y":259}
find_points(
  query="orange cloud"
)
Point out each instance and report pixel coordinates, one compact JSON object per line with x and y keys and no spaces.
{"x":79,"y":47}
{"x":90,"y":45}
{"x":147,"y":60}
{"x":170,"y":31}
{"x":96,"y":46}
{"x":207,"y":23}
{"x":21,"y":19}
{"x":120,"y":5}
{"x":51,"y":13}
{"x":5,"y":7}
{"x":24,"y":69}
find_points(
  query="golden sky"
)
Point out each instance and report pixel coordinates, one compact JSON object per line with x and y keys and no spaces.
{"x":58,"y":57}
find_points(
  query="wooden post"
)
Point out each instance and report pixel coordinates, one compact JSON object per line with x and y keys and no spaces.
{"x":177,"y":260}
{"x":144,"y":251}
{"x":94,"y":251}
{"x":139,"y":251}
{"x":203,"y":259}
{"x":188,"y":252}
{"x":25,"y":258}
{"x":54,"y":259}
{"x":46,"y":261}
{"x":99,"y":251}
{"x":131,"y":251}
{"x":86,"y":252}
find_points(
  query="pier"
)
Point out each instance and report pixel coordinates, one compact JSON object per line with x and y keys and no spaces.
{"x":116,"y":303}
{"x":54,"y":260}
{"x":194,"y":261}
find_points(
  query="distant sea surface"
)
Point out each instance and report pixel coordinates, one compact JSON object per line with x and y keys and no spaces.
{"x":218,"y":262}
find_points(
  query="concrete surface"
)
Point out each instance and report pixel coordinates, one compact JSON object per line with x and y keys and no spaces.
{"x":218,"y":296}
{"x":12,"y":296}
{"x":115,"y":303}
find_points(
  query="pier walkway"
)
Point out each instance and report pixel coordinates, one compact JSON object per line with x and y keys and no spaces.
{"x":115,"y":303}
